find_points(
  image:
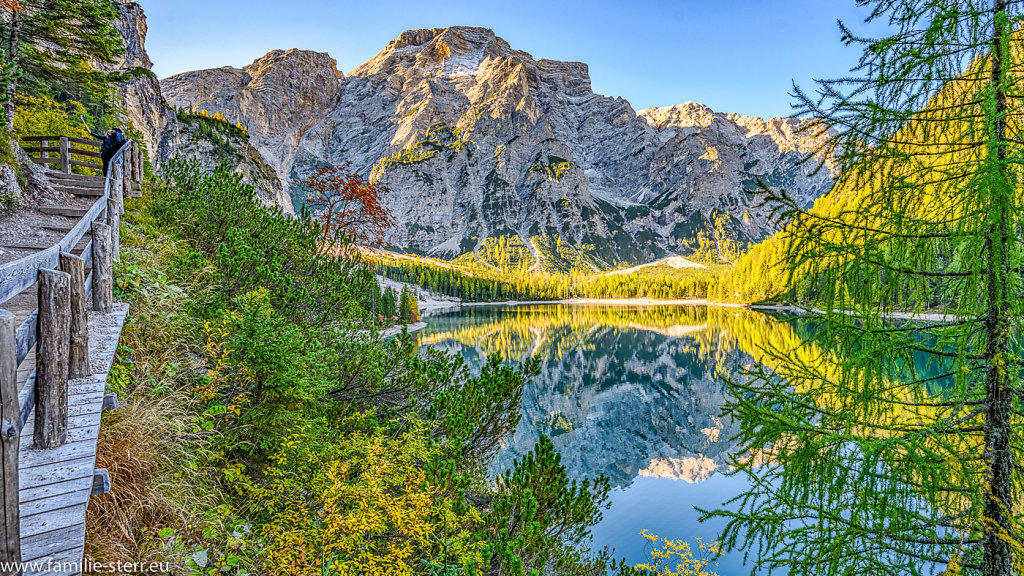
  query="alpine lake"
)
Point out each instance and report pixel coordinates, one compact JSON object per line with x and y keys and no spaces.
{"x":634,"y":393}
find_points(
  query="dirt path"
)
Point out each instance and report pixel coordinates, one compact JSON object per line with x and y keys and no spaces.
{"x":38,"y":223}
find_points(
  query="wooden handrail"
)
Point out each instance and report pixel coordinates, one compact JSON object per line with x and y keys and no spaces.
{"x":70,"y":151}
{"x":92,"y":165}
{"x":86,"y":141}
{"x":84,"y":153}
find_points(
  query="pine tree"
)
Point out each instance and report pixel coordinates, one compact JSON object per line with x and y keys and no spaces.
{"x":388,"y":303}
{"x":403,"y":304}
{"x":895,"y":445}
{"x":58,"y":43}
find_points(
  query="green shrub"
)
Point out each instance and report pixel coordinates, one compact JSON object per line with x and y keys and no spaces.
{"x":540,"y":520}
{"x":9,"y":203}
{"x":259,"y":247}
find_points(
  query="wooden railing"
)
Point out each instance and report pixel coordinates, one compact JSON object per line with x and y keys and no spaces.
{"x":65,"y":154}
{"x":65,"y":285}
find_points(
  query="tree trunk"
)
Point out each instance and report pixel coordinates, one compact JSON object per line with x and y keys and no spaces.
{"x":999,"y":457}
{"x":12,"y":60}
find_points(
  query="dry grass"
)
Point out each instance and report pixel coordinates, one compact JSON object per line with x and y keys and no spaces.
{"x":135,"y":445}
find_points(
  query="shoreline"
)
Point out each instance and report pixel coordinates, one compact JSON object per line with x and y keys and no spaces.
{"x":789,"y":308}
{"x":431,"y":307}
{"x":599,"y":301}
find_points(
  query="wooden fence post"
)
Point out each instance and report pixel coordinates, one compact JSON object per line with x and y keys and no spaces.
{"x":65,"y":156}
{"x":119,"y":191}
{"x":139,"y":162}
{"x":102,"y":270}
{"x":126,"y":173}
{"x":114,"y":217}
{"x":134,"y":160}
{"x":52,"y":345}
{"x":78,"y":359}
{"x":10,"y":425}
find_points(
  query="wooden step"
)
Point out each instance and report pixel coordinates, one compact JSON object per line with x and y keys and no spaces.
{"x":62,"y":230}
{"x":69,"y":212}
{"x":79,"y":184}
{"x":91,"y":191}
{"x":61,"y":178}
{"x":26,"y":246}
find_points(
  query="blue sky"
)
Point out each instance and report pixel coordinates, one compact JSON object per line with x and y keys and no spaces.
{"x":733,"y":55}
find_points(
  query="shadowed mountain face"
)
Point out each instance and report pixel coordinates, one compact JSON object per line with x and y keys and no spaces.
{"x":478,"y":140}
{"x":622,"y":392}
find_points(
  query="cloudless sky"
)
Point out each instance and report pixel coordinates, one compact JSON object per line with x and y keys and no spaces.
{"x":733,"y":55}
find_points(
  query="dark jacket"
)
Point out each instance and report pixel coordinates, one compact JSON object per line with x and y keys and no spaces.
{"x":111,"y":144}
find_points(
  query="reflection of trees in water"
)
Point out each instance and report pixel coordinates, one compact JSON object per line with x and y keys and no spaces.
{"x":622,"y":391}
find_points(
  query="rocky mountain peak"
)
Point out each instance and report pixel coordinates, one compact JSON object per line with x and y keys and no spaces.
{"x":294,"y":63}
{"x":278,"y":98}
{"x":789,"y":134}
{"x":792,"y":134}
{"x":449,"y":51}
{"x":685,"y":115}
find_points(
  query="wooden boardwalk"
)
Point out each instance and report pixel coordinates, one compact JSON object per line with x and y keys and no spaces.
{"x":58,"y":313}
{"x":55,"y":485}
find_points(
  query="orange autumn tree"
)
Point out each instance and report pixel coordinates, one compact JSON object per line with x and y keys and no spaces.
{"x":347,"y":205}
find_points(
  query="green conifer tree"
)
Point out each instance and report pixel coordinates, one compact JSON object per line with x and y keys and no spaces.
{"x":57,"y":43}
{"x":403,"y":304}
{"x":389,"y":303}
{"x":894,"y":445}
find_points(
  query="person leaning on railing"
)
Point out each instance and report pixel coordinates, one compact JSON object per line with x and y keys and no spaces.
{"x":112,"y":142}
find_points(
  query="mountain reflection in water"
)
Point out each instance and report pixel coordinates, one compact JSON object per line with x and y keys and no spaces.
{"x":632,"y":393}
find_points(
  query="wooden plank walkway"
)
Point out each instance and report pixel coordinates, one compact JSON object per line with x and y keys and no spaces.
{"x":55,"y":485}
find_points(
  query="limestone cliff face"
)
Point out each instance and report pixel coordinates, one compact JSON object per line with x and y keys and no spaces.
{"x":164,"y":134}
{"x":145,"y":109}
{"x":476,"y":139}
{"x":725,"y":153}
{"x":307,"y":81}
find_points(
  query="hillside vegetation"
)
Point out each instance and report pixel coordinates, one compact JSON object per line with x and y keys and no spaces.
{"x":474,"y":282}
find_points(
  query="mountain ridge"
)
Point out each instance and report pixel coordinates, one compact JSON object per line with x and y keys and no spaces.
{"x":479,"y":141}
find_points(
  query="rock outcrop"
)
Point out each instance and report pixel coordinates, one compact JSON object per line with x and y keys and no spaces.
{"x":165,"y":134}
{"x":477,"y":140}
{"x":306,"y":81}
